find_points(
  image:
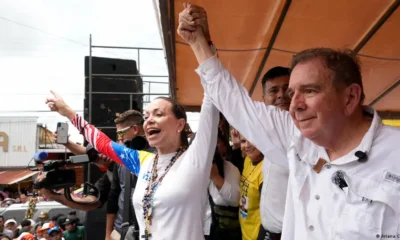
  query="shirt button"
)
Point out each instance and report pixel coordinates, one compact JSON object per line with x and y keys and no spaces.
{"x":317,"y":197}
{"x":328,"y":166}
{"x":311,"y":228}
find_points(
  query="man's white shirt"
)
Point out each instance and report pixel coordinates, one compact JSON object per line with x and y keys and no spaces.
{"x":273,"y":195}
{"x":316,"y":208}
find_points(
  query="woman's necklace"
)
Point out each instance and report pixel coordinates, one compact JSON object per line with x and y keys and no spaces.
{"x":154,"y":183}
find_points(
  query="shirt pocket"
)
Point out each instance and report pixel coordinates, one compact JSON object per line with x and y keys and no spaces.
{"x":368,"y":211}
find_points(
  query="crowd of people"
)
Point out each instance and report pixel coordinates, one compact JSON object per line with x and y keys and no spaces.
{"x":310,"y":162}
{"x":58,"y":227}
{"x":9,"y":197}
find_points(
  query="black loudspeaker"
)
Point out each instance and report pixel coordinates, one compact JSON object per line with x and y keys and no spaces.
{"x":113,"y":99}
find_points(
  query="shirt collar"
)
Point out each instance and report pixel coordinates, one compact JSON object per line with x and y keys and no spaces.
{"x":312,"y":154}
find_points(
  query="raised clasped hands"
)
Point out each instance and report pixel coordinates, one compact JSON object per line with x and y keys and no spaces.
{"x":193,"y":24}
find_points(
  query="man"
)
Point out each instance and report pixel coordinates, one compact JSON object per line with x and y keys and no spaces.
{"x":4,"y":230}
{"x":23,"y":198}
{"x":344,"y":172}
{"x":43,"y":231}
{"x":55,"y":233}
{"x":275,"y":83}
{"x":130,"y":132}
{"x":26,"y":226}
{"x":11,"y":225}
{"x":273,"y":194}
{"x":73,"y":232}
{"x":44,"y":216}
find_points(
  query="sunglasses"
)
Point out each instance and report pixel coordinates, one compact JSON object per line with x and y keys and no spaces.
{"x":122,"y":132}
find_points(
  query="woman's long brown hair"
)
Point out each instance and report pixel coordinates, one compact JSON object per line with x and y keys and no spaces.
{"x":179,"y":112}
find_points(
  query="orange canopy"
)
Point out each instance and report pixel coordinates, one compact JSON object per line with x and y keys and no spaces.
{"x":253,"y":36}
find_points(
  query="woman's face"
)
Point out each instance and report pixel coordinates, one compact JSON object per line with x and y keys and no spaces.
{"x":161,"y":126}
{"x":249,"y":149}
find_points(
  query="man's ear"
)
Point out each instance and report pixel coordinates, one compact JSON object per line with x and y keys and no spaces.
{"x":136,"y":129}
{"x":353,"y":95}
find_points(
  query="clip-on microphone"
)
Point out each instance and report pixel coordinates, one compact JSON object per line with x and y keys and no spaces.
{"x":362,"y":156}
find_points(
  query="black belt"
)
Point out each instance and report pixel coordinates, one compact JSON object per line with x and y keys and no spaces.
{"x":267,"y":235}
{"x":272,"y":236}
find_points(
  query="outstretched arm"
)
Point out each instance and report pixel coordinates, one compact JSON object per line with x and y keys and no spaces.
{"x":119,"y":153}
{"x":130,"y":158}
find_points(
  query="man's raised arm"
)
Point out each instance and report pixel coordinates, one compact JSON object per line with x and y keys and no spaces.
{"x":268,"y":128}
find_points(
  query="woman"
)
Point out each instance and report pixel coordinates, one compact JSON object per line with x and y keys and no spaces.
{"x":173,"y":207}
{"x":250,"y":191}
{"x":222,"y":220}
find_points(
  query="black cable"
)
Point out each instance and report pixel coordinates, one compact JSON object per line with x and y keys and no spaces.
{"x":230,"y":50}
{"x":286,"y":51}
{"x":380,"y":58}
{"x":29,"y":167}
{"x":42,"y":31}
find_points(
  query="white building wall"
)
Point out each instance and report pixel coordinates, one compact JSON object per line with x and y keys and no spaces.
{"x":17,"y":140}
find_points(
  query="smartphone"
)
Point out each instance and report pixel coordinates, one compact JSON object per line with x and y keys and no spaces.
{"x":62,"y":133}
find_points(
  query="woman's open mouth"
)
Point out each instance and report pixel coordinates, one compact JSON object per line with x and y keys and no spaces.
{"x":153,"y":132}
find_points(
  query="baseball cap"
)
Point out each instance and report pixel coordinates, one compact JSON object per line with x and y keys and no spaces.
{"x":54,"y":229}
{"x":44,"y":214}
{"x":26,"y":236}
{"x":70,"y":220}
{"x":10,"y":221}
{"x":46,"y":227}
